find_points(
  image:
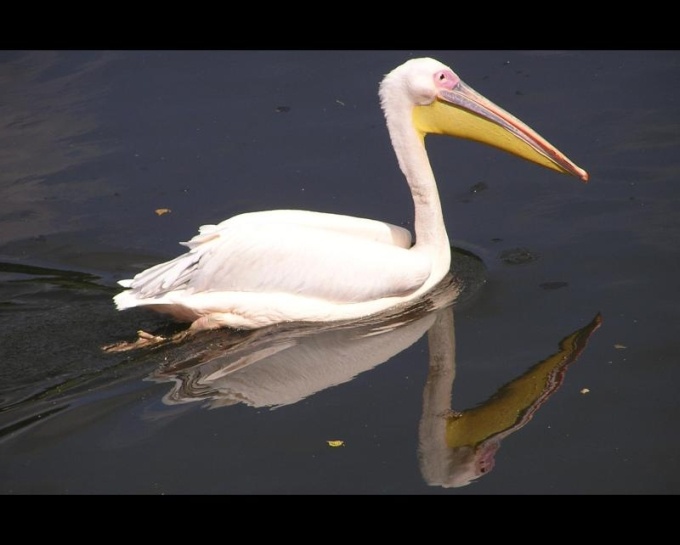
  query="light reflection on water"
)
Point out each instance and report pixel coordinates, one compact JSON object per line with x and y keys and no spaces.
{"x":48,"y":130}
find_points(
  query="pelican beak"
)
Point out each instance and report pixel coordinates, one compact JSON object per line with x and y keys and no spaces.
{"x":464,"y":113}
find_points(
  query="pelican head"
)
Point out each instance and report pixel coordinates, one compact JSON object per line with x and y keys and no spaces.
{"x":441,"y":103}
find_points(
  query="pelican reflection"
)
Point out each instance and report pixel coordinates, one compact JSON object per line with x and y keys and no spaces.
{"x":279,"y":366}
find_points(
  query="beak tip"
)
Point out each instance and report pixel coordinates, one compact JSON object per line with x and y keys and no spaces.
{"x":583,"y":175}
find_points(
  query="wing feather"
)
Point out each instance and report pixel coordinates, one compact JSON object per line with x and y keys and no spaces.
{"x":343,"y":260}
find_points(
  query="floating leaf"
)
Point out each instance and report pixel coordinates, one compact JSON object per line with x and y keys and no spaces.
{"x":336,"y":443}
{"x":161,"y":211}
{"x":585,"y":391}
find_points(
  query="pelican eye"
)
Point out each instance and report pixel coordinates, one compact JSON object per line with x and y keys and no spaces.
{"x":445,"y":79}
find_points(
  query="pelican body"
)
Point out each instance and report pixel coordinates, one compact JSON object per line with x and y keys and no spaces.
{"x":262,"y":268}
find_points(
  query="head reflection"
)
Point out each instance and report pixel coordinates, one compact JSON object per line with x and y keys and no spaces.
{"x":458,"y":447}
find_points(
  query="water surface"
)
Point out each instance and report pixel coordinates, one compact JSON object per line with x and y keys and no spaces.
{"x":569,"y":287}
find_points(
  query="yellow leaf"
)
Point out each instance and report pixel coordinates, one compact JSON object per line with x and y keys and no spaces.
{"x":336,"y":443}
{"x":161,"y":211}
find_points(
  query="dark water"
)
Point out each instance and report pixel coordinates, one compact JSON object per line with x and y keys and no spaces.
{"x":562,"y":377}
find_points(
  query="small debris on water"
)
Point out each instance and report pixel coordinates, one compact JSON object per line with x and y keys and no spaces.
{"x":478,"y":187}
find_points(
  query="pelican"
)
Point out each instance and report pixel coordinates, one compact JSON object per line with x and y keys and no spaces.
{"x":263,"y":268}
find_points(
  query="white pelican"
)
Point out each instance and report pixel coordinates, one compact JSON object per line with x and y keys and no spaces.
{"x":262,"y":268}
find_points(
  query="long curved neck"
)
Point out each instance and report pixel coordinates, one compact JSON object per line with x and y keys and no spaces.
{"x":430,"y":229}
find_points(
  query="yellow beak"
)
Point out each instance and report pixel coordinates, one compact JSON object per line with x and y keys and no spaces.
{"x":464,"y":113}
